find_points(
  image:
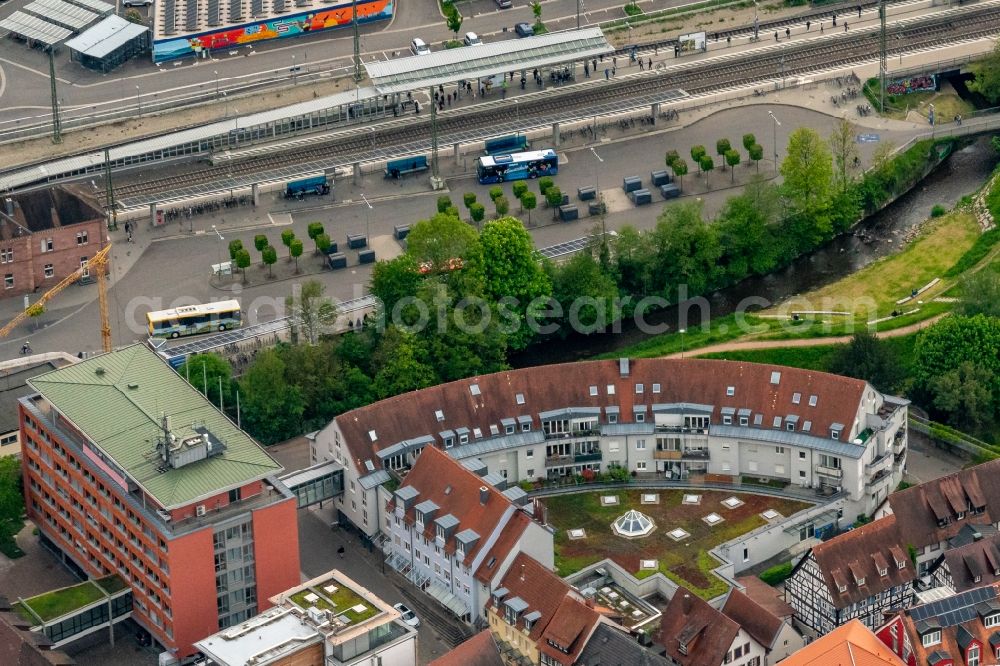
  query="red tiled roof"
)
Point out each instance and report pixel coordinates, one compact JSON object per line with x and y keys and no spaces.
{"x":846,"y":558}
{"x":707,"y":633}
{"x":852,"y":644}
{"x":540,"y":588}
{"x":568,"y":385}
{"x":753,"y":618}
{"x":569,"y":628}
{"x":766,"y":596}
{"x":981,"y":556}
{"x":443,"y":480}
{"x":919,"y":509}
{"x":510,"y":535}
{"x":480,"y":650}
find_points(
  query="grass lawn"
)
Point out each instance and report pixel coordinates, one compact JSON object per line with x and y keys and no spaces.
{"x":56,"y":603}
{"x":340,"y":602}
{"x":686,"y":562}
{"x":946,"y":106}
{"x":941,"y":243}
{"x":811,"y":358}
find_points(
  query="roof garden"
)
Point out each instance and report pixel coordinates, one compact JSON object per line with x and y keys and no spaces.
{"x":56,"y":603}
{"x":333,"y":595}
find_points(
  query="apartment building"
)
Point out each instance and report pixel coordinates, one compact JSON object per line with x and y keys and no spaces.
{"x":775,"y":634}
{"x":860,"y":574}
{"x":674,"y":418}
{"x":454,"y":534}
{"x":696,"y":634}
{"x":129,"y":470}
{"x":14,"y":376}
{"x":973,"y":564}
{"x":958,"y":630}
{"x":330,"y":620}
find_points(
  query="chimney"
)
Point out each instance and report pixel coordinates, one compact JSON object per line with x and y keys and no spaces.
{"x":686,"y":604}
{"x":484,"y":494}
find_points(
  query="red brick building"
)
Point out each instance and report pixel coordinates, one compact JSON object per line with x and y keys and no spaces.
{"x":45,"y":236}
{"x":129,"y":470}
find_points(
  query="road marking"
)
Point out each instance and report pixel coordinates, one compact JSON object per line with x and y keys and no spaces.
{"x":3,"y":82}
{"x":34,"y":71}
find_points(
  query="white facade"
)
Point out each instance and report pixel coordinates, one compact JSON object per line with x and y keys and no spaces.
{"x":745,"y":651}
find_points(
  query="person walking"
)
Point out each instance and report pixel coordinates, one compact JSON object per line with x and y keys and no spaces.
{"x":642,"y":65}
{"x":649,"y":64}
{"x":25,"y":348}
{"x":788,"y":33}
{"x":340,"y":552}
{"x":845,"y":26}
{"x":808,"y":23}
{"x":606,"y":74}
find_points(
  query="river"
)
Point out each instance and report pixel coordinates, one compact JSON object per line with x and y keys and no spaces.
{"x":882,"y":234}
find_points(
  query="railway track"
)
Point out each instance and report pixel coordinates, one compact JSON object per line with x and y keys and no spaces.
{"x":740,"y":70}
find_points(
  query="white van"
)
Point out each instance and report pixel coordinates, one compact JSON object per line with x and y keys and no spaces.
{"x":419,"y":47}
{"x":472,"y":39}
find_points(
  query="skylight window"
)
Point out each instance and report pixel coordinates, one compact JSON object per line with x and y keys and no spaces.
{"x":372,"y":436}
{"x":775,"y":377}
{"x":439,"y":415}
{"x":474,"y":389}
{"x":730,"y":391}
{"x":520,"y":398}
{"x":593,"y":390}
{"x":813,"y":400}
{"x":796,"y":398}
{"x":611,"y":389}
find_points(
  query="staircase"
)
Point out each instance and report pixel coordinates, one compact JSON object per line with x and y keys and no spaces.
{"x":451,"y":630}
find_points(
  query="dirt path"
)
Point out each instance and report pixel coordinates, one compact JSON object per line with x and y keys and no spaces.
{"x":737,"y":345}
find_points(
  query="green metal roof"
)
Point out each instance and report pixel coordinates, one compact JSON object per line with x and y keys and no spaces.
{"x":118,"y":400}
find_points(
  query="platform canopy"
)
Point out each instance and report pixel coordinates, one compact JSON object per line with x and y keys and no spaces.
{"x":62,"y":14}
{"x":110,"y":34}
{"x":35,"y":29}
{"x":475,"y":62}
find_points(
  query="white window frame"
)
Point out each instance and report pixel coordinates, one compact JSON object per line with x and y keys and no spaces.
{"x":931,"y":638}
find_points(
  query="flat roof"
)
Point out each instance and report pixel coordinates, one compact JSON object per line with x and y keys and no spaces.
{"x":117,"y":401}
{"x":273,"y":633}
{"x":62,"y":13}
{"x":474,"y":62}
{"x":35,"y":29}
{"x":110,"y":34}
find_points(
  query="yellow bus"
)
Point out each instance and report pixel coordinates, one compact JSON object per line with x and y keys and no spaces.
{"x":194,"y":319}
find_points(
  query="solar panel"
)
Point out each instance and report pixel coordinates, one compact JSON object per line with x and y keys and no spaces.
{"x":568,"y":247}
{"x":955,"y":609}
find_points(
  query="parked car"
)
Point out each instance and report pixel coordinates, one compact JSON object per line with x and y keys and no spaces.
{"x":504,"y":4}
{"x":419,"y":47}
{"x":409,"y":617}
{"x":137,"y":3}
{"x":472,"y":39}
{"x":524,"y":30}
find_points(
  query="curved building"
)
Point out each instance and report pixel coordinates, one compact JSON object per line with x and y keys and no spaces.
{"x":659,"y":418}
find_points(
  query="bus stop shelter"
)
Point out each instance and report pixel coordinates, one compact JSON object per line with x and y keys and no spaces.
{"x":402,"y":75}
{"x":109,"y":43}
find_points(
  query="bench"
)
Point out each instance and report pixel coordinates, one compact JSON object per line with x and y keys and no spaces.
{"x":586,"y":193}
{"x":337,"y":260}
{"x":670,"y":191}
{"x":641,"y":197}
{"x":631,"y":183}
{"x":356,"y":241}
{"x":506,"y":144}
{"x":401,"y":231}
{"x":658,"y":178}
{"x":366,"y":257}
{"x":399,"y":168}
{"x":569,"y":213}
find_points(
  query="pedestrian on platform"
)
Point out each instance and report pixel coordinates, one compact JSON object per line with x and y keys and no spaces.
{"x":788,"y":33}
{"x":586,"y":70}
{"x":808,"y":23}
{"x":845,"y":26}
{"x":859,"y":11}
{"x":606,"y":74}
{"x":340,"y":552}
{"x":641,"y":65}
{"x":649,"y":64}
{"x":821,"y":28}
{"x":775,"y":35}
{"x":834,"y":20}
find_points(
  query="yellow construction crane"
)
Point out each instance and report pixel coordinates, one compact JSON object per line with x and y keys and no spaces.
{"x":98,"y":263}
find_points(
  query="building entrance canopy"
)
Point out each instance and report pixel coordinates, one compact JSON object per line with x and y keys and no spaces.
{"x":476,"y":62}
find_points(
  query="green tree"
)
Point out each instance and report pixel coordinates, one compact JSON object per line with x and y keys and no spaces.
{"x":495,"y":193}
{"x":586,"y":293}
{"x":323,"y":243}
{"x":235,"y":246}
{"x":444,"y":203}
{"x":844,"y":146}
{"x":536,"y":10}
{"x":680,"y":169}
{"x":402,"y":368}
{"x":295,"y":249}
{"x":685,"y":250}
{"x":697,"y":152}
{"x":270,"y":256}
{"x":453,"y":18}
{"x":501,"y":205}
{"x":722,"y":146}
{"x":133,"y":16}
{"x":967,"y":395}
{"x":441,"y":239}
{"x":478,"y":212}
{"x":807,"y":171}
{"x":271,"y":407}
{"x":395,"y":280}
{"x":205,"y":372}
{"x":243,"y":262}
{"x":468,"y":199}
{"x":987,"y":76}
{"x":745,"y":227}
{"x":544,"y":183}
{"x":260,"y":242}
{"x":706,"y":164}
{"x":512,"y":270}
{"x":980,"y":293}
{"x":756,"y":153}
{"x":748,"y":141}
{"x":529,"y":202}
{"x":314,"y":230}
{"x":311,"y":309}
{"x":733,"y":160}
{"x":554,"y":197}
{"x":519,"y":187}
{"x":866,"y":357}
{"x":671,"y":157}
{"x":287,"y":236}
{"x":11,"y":501}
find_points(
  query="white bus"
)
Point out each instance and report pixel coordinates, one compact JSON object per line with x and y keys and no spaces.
{"x":194,"y":319}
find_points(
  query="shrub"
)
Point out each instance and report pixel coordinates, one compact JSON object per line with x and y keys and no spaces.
{"x":671,"y":157}
{"x":468,"y":199}
{"x":444,"y":203}
{"x":632,"y":10}
{"x":502,"y":206}
{"x":520,"y":187}
{"x":495,"y":193}
{"x":938,"y":210}
{"x":776,"y":574}
{"x":544,"y":184}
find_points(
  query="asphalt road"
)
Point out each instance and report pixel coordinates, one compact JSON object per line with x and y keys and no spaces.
{"x":171,"y":267}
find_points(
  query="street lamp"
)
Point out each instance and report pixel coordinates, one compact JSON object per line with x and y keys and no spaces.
{"x":682,"y":331}
{"x":138,"y":102}
{"x":517,"y":119}
{"x":777,"y":124}
{"x":367,"y":214}
{"x":216,"y":84}
{"x":600,"y":197}
{"x":220,"y":247}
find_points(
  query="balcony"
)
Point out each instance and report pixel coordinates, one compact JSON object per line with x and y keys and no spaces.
{"x":879,"y":464}
{"x":881,"y":476}
{"x":587,"y":456}
{"x":666,"y":454}
{"x":681,"y":429}
{"x":695,"y":454}
{"x":864,"y":436}
{"x":558,"y":461}
{"x":830,"y":472}
{"x":588,"y":432}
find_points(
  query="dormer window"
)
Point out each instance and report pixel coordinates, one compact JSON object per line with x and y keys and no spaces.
{"x":682,"y":647}
{"x":972,"y":655}
{"x":841,"y":588}
{"x":834,"y":434}
{"x":727,"y":420}
{"x":418,"y":518}
{"x":463,"y":439}
{"x":509,"y":430}
{"x":883,"y":572}
{"x":744,"y":421}
{"x":977,"y":579}
{"x":931,"y":638}
{"x":440,"y":533}
{"x":992,"y":620}
{"x":526,"y":427}
{"x":449,"y":442}
{"x":460,"y":550}
{"x":730,"y":391}
{"x":527,"y":626}
{"x":861,"y":581}
{"x":900,"y":564}
{"x":960,"y":516}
